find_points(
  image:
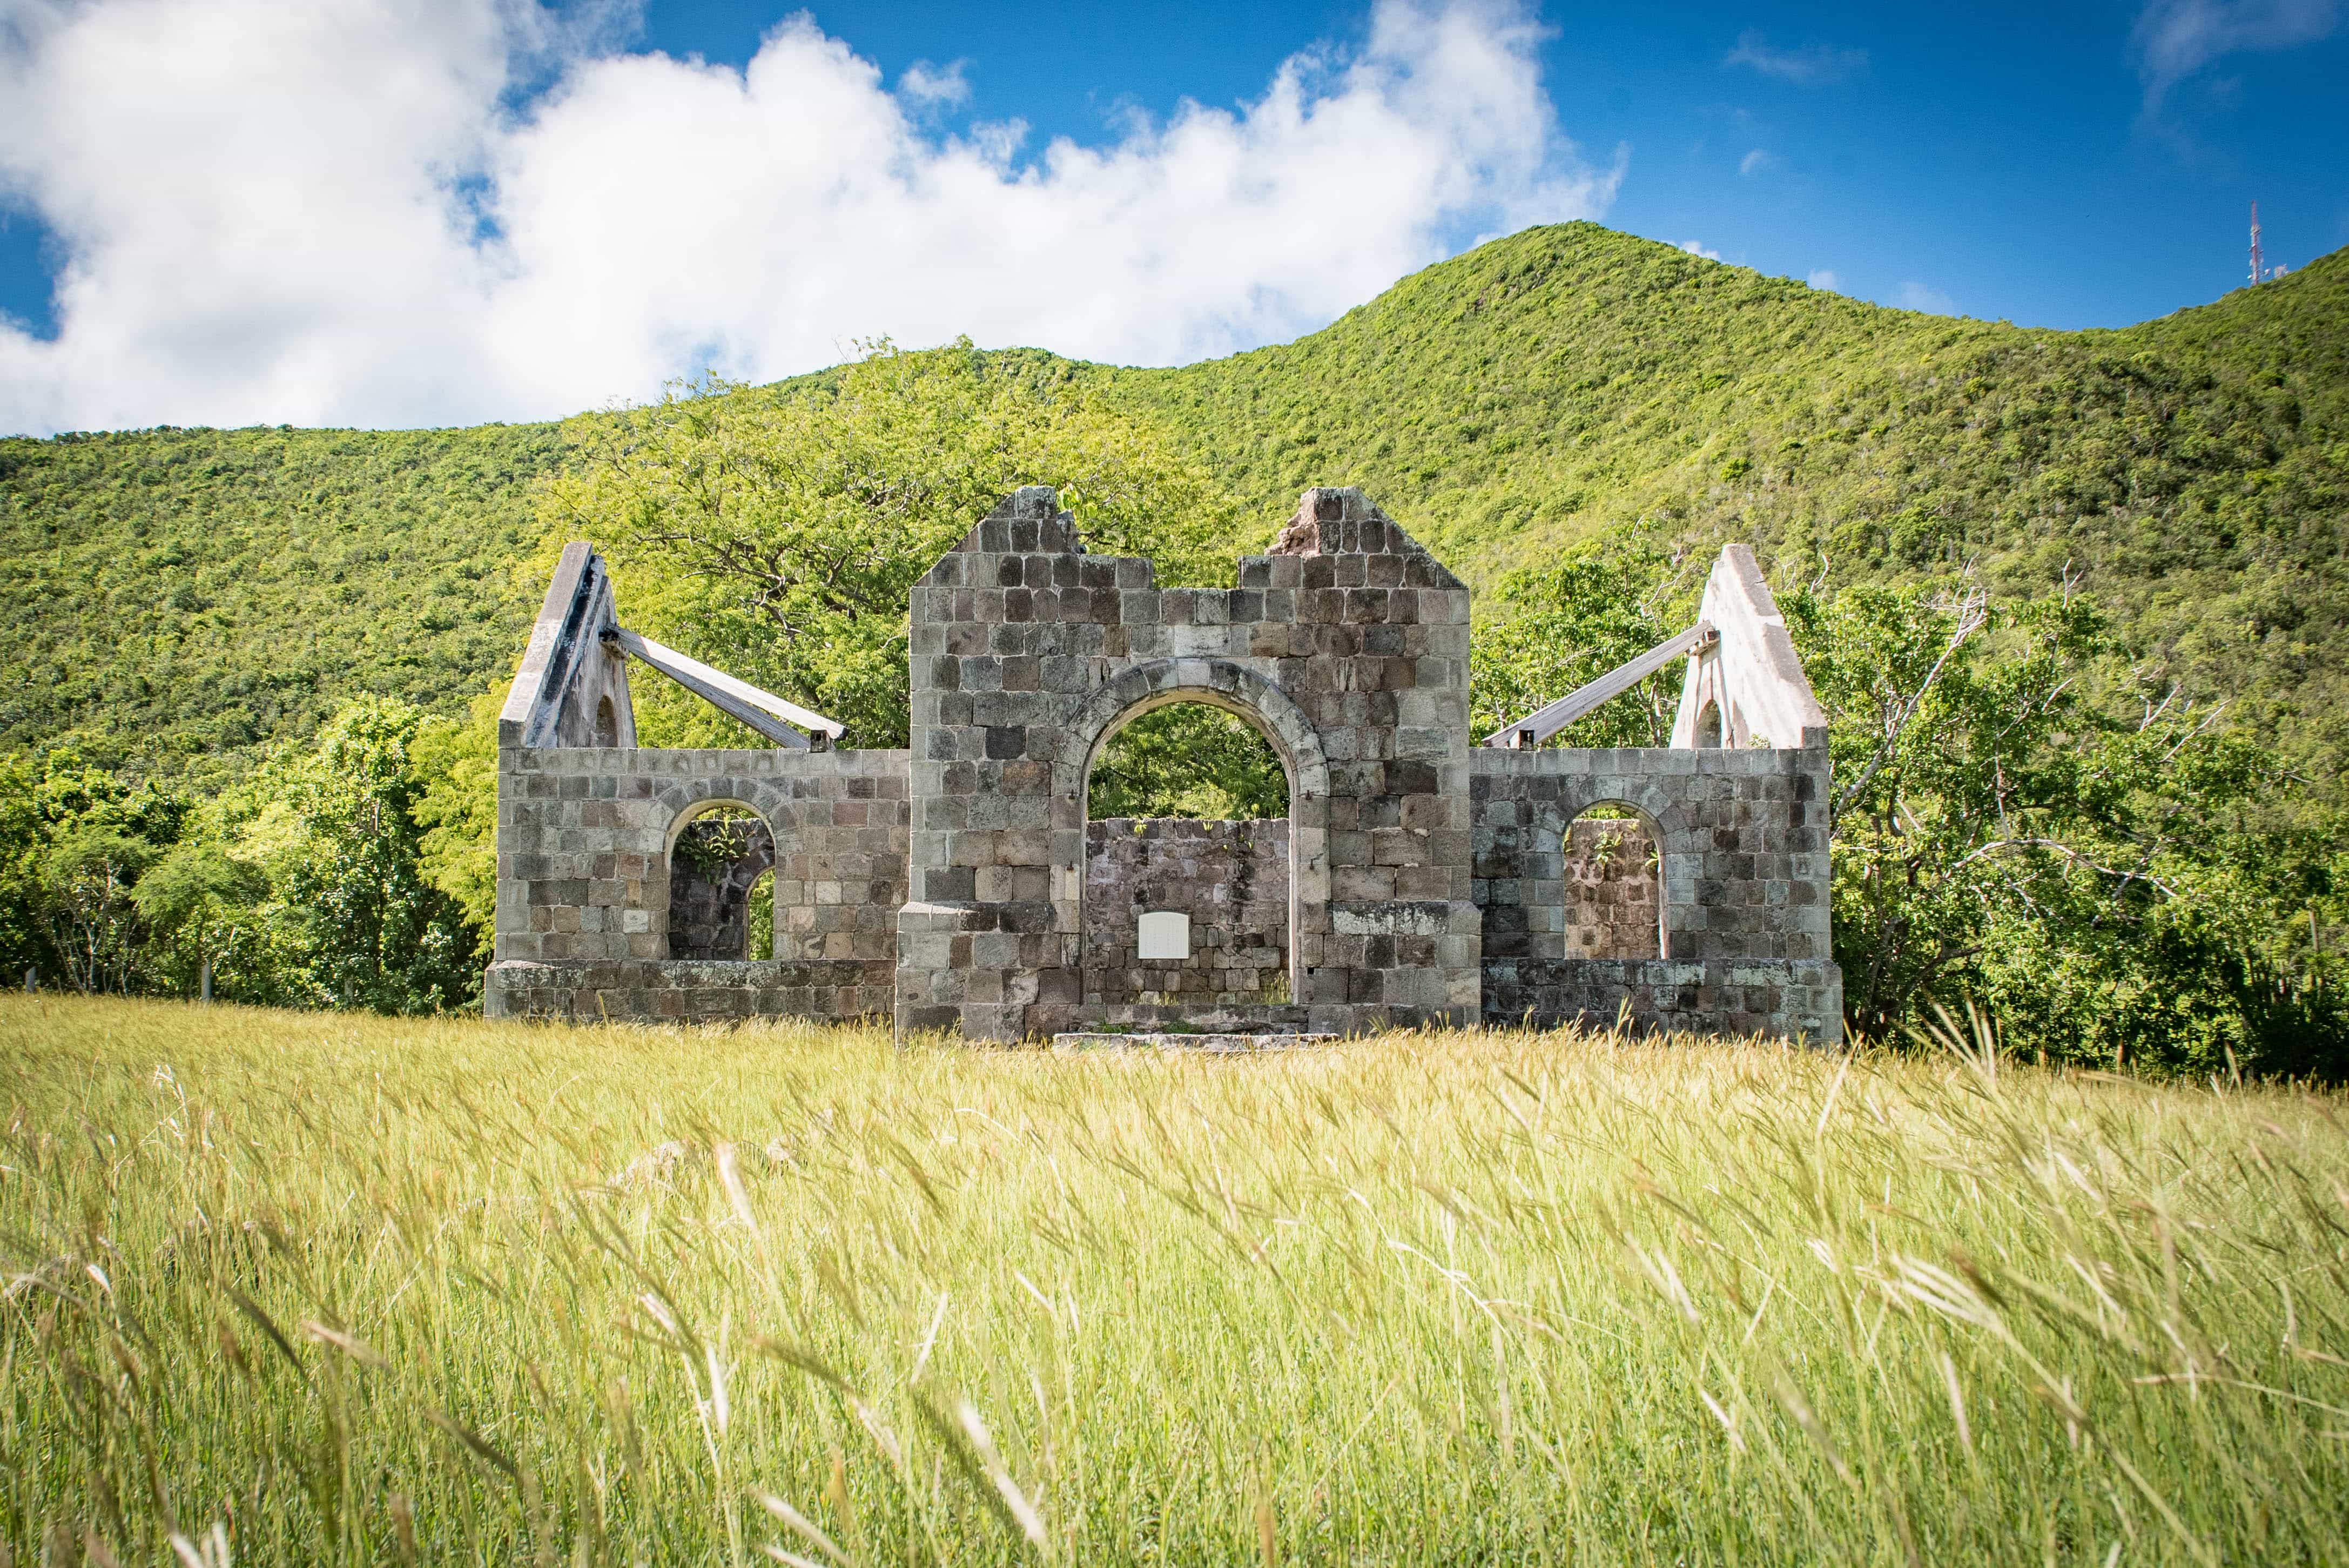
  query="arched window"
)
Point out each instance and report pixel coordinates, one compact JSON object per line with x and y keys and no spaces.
{"x":1187,"y":874}
{"x":607,"y":723}
{"x":1613,"y":886}
{"x":719,"y":851}
{"x":1708,"y":724}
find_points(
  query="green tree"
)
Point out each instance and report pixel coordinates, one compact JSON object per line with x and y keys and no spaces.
{"x":777,"y":531}
{"x":88,"y":871}
{"x":74,"y":840}
{"x":1543,"y":633}
{"x":202,"y":898}
{"x":358,"y":924}
{"x":2022,"y":819}
{"x":454,"y":767}
{"x":24,"y":940}
{"x":1189,"y":760}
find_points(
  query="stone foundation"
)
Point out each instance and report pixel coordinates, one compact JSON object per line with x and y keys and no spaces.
{"x":684,"y":990}
{"x":1214,"y":1045}
{"x":1799,"y":998}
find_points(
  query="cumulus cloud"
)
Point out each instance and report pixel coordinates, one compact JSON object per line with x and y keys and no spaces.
{"x":1697,"y":248}
{"x":2175,"y":39}
{"x":1914,"y":295}
{"x":1825,"y":278}
{"x":337,"y":213}
{"x":1812,"y":66}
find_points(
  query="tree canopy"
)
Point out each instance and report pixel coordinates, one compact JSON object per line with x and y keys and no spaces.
{"x":777,"y":531}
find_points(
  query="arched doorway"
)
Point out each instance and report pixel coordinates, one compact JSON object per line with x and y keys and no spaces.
{"x":1611,"y":885}
{"x":1271,"y":714}
{"x":1187,"y":876}
{"x":716,"y":850}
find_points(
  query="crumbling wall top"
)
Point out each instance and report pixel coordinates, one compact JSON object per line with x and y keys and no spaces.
{"x":1335,"y":521}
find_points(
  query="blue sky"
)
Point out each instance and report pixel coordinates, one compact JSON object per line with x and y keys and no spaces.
{"x":211,"y":214}
{"x":2002,"y":157}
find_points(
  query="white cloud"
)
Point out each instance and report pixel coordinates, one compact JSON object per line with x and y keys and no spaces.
{"x":1914,"y":295}
{"x":1812,"y":66}
{"x":331,"y":213}
{"x":2175,"y":39}
{"x":943,"y":86}
{"x":1825,"y":278}
{"x":1696,"y":247}
{"x":1754,"y":162}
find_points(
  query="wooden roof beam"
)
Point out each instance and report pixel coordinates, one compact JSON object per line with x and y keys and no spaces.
{"x":736,"y":699}
{"x":1540,"y":724}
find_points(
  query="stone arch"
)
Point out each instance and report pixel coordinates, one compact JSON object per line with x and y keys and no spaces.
{"x":692,"y":798}
{"x":1666,"y":820}
{"x":1236,"y":689}
{"x":1216,"y":682}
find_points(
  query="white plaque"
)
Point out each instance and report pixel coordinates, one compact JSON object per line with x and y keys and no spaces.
{"x":1163,"y":933}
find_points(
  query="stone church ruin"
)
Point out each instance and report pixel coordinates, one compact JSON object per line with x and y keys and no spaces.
{"x":1423,"y":874}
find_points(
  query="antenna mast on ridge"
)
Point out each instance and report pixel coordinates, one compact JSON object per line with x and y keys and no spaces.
{"x":2255,"y":242}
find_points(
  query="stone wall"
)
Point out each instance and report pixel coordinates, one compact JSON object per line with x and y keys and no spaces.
{"x":1426,"y":882}
{"x":1800,"y":999}
{"x":584,"y":843}
{"x":1231,"y":879}
{"x":1609,"y":874}
{"x":1742,"y":861}
{"x":709,"y":892}
{"x":1347,"y":644}
{"x":687,"y":991}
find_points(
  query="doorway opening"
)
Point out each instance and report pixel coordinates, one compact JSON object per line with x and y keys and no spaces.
{"x":1187,"y":876}
{"x":719,"y":850}
{"x":1613,"y":886}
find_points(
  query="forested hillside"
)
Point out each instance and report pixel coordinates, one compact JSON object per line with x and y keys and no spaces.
{"x":177,"y":598}
{"x":2191,"y":473}
{"x":180,"y":596}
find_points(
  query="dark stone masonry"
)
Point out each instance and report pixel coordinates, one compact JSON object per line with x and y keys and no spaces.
{"x":1420,"y":878}
{"x":1229,"y":884}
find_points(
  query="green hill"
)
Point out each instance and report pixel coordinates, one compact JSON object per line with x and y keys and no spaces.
{"x":180,"y":596}
{"x":2192,"y":473}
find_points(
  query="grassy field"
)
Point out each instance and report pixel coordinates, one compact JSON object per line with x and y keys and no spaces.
{"x":310,"y":1289}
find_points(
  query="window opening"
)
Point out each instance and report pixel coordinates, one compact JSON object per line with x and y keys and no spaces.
{"x":761,"y":935}
{"x":1708,"y":724}
{"x":607,"y":724}
{"x":1612,"y":883}
{"x":717,"y":857}
{"x":1186,"y":894}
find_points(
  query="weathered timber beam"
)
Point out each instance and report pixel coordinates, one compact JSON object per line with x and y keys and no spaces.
{"x":738,"y":699}
{"x":1539,"y":725}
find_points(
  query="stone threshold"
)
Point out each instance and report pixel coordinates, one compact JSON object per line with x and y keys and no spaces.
{"x":1218,"y":1044}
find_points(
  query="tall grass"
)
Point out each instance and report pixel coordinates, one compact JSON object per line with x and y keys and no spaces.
{"x":311,"y":1289}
